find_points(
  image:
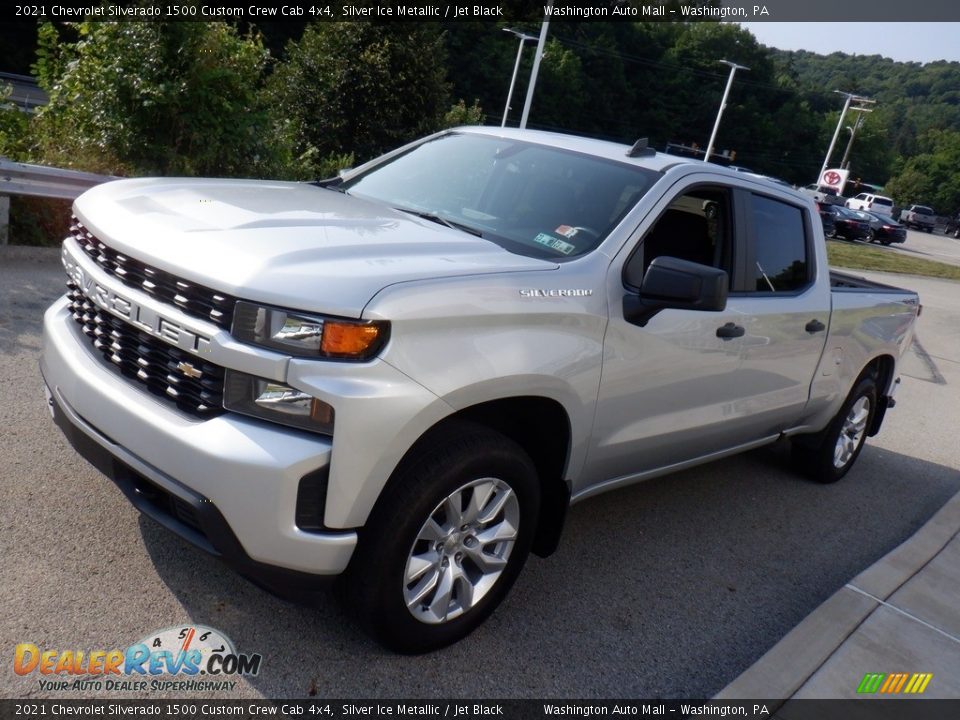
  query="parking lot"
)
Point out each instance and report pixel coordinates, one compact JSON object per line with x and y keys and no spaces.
{"x":927,"y":246}
{"x":667,"y":589}
{"x":931,"y":246}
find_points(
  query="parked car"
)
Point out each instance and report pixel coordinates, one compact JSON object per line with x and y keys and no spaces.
{"x":405,"y":375}
{"x":827,"y":218}
{"x":869,"y":201}
{"x":884,"y":229}
{"x":920,"y":217}
{"x":849,"y":225}
{"x":823,"y":193}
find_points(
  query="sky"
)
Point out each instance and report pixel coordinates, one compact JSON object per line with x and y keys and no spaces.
{"x":905,"y":41}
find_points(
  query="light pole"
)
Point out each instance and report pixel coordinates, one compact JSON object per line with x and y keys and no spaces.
{"x":516,"y":67}
{"x":853,"y":133}
{"x":846,"y":106}
{"x":536,"y":65}
{"x":723,"y":104}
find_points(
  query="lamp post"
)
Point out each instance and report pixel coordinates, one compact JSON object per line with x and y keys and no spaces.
{"x":516,"y":67}
{"x":723,"y":104}
{"x":536,"y":66}
{"x":853,"y":133}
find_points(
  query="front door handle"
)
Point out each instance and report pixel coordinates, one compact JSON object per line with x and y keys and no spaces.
{"x":730,"y":331}
{"x":815,"y":326}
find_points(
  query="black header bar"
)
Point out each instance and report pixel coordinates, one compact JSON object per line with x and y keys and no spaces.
{"x":461,"y":709}
{"x":851,"y":11}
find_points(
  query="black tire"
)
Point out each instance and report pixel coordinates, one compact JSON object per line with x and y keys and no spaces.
{"x":375,"y":583}
{"x":817,"y":455}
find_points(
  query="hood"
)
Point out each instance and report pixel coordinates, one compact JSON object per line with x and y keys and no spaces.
{"x":294,"y":245}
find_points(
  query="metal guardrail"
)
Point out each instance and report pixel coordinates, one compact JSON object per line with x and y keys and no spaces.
{"x":24,"y":91}
{"x":41,"y":181}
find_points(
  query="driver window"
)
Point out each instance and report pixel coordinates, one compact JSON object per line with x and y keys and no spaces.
{"x":697,"y":226}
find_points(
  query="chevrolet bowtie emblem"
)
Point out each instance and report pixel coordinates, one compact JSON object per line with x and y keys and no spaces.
{"x":189,"y":370}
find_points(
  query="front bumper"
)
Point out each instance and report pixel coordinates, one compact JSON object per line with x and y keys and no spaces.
{"x":228,"y":484}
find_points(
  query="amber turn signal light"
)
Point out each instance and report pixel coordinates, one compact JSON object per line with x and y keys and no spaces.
{"x":343,"y":339}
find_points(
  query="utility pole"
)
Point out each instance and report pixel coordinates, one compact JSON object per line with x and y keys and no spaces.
{"x":723,"y":104}
{"x":850,"y":97}
{"x":853,"y":133}
{"x":516,"y":67}
{"x":536,"y":65}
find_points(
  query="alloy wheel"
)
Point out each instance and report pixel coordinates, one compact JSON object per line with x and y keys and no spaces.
{"x":461,"y":550}
{"x":852,"y":433}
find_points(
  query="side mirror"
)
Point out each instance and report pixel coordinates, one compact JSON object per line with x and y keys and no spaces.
{"x":670,"y":282}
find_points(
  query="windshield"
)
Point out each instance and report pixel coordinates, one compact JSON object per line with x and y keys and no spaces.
{"x":530,"y":199}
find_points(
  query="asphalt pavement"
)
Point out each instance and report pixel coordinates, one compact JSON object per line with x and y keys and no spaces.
{"x":927,"y":246}
{"x":671,"y":588}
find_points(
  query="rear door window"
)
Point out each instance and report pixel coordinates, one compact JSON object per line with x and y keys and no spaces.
{"x":781,"y":262}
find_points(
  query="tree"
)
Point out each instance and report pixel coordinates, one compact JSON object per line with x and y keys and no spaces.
{"x":172,"y":98}
{"x":360,"y":88}
{"x":933,"y":176}
{"x":13,"y":127}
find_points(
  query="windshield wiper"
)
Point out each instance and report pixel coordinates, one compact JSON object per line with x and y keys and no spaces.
{"x":433,"y":217}
{"x":333,"y":183}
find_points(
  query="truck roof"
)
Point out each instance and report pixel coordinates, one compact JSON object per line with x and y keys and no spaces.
{"x":590,"y":146}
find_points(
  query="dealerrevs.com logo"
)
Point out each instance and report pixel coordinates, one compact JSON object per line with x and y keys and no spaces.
{"x":185,"y":658}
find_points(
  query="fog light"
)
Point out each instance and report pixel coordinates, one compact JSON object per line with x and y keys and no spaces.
{"x":277,"y":402}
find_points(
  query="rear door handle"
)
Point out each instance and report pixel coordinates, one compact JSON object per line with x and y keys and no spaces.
{"x":730,"y":331}
{"x":815,"y":326}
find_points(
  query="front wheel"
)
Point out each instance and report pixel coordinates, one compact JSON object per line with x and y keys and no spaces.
{"x":446,"y":541}
{"x":828,"y":456}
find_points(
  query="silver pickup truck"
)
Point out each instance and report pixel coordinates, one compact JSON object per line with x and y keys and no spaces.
{"x":406,"y":375}
{"x":920,"y":217}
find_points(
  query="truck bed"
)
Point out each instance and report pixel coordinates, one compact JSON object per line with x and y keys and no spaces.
{"x":844,"y":282}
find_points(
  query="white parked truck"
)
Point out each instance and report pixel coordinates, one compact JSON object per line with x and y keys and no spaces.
{"x":405,"y":375}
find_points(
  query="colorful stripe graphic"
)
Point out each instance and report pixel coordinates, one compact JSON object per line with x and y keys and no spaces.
{"x":894,"y":683}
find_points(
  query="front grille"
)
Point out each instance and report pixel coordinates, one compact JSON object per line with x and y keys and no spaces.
{"x":162,"y":369}
{"x":195,"y":300}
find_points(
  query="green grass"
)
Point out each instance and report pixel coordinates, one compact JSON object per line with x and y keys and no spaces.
{"x":857,"y":256}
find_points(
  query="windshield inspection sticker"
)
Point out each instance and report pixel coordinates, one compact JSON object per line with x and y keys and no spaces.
{"x":554,"y":243}
{"x":566,"y":231}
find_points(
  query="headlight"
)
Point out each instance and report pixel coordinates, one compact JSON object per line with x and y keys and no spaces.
{"x":272,"y":400}
{"x":307,"y":335}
